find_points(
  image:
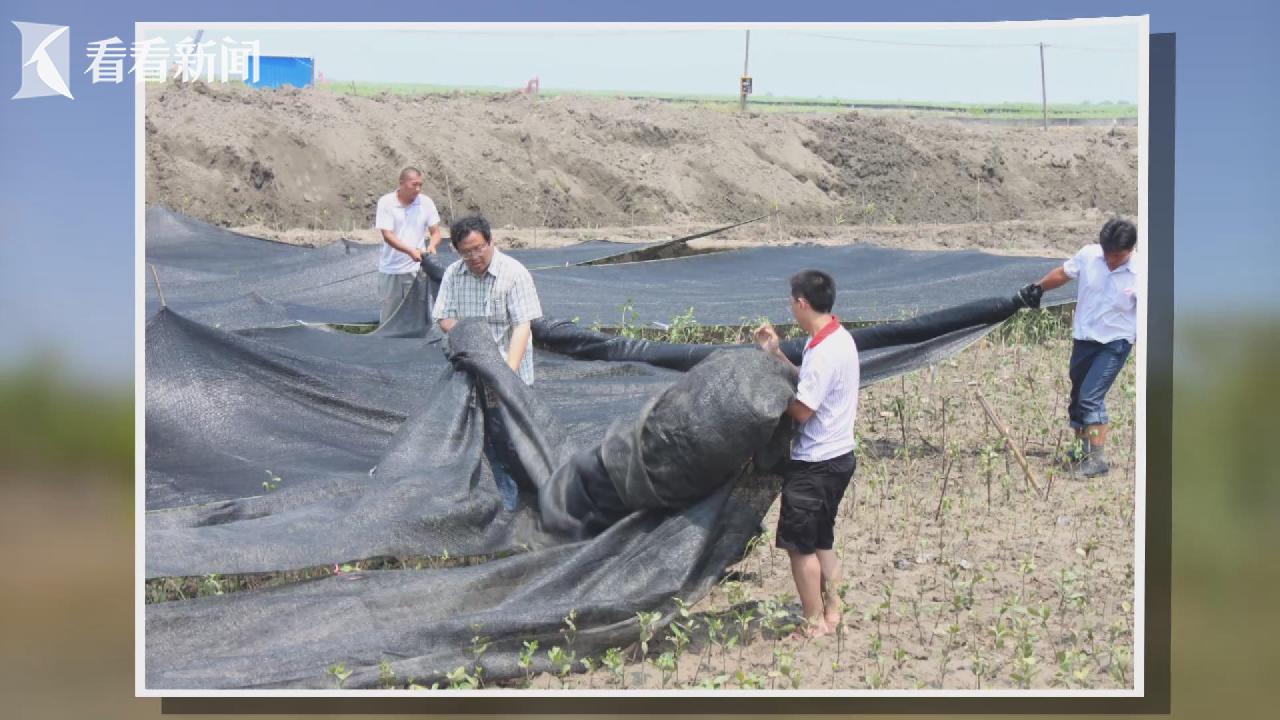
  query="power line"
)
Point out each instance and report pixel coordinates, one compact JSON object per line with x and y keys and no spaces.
{"x":1091,"y":49}
{"x":585,"y":32}
{"x":593,"y":32}
{"x":975,"y":46}
{"x":908,"y":43}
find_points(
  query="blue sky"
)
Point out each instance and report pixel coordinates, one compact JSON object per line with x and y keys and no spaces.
{"x":66,"y":188}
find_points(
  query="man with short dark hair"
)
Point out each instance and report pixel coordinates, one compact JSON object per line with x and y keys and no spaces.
{"x":489,"y":284}
{"x":1105,"y":328}
{"x":405,"y":217}
{"x":494,"y":286}
{"x":822,"y":453}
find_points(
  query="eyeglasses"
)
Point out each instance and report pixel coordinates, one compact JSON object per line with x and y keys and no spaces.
{"x":473,"y":252}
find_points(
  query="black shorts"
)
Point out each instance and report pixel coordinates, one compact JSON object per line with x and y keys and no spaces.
{"x":811,"y":493}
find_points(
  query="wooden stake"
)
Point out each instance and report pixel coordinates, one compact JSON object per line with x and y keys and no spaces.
{"x":449,"y":189}
{"x":988,"y":474}
{"x":946,"y":475}
{"x":156,"y":279}
{"x":1004,"y":431}
{"x":1057,"y":450}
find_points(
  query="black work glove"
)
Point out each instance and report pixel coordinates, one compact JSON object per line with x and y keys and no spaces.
{"x":432,"y":266}
{"x":1030,"y":295}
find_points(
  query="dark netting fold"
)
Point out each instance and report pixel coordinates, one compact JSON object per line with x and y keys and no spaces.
{"x":432,"y":483}
{"x":422,"y":622}
{"x":687,"y":442}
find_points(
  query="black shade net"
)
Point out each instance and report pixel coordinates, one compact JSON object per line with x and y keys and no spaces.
{"x":220,"y":278}
{"x":641,"y":469}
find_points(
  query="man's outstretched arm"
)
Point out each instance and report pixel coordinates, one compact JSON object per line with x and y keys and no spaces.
{"x":389,"y":237}
{"x":1054,"y":279}
{"x":444,"y":311}
{"x":519,"y":341}
{"x":799,"y":411}
{"x":767,"y":339}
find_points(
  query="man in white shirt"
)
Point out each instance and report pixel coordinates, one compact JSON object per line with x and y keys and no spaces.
{"x":406,"y":217}
{"x":1105,"y":328}
{"x":822,"y":457}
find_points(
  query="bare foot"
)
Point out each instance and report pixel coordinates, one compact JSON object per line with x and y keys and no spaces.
{"x":812,"y":629}
{"x":832,"y":619}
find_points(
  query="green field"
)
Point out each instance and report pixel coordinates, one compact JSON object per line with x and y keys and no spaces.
{"x":769,"y":103}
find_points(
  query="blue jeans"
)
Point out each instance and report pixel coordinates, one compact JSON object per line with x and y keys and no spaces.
{"x":498,"y":451}
{"x":507,"y":489}
{"x":1094,"y":366}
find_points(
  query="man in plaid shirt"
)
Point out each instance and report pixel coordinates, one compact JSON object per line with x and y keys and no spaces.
{"x":487,"y":284}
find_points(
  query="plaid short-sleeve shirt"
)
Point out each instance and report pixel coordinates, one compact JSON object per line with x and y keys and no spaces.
{"x":504,"y":296}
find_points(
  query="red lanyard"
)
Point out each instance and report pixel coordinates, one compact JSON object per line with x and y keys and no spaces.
{"x":824,"y":332}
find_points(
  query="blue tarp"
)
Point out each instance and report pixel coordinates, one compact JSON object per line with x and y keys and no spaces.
{"x":277,"y":71}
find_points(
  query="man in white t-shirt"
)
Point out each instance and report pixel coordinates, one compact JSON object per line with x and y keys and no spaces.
{"x":406,"y":217}
{"x":822,"y":453}
{"x":1105,"y":328}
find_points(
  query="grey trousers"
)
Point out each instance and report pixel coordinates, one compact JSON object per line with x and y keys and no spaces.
{"x":393,"y":290}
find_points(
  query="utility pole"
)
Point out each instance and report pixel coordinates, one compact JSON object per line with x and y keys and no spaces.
{"x":744,"y":84}
{"x":1044,"y":97}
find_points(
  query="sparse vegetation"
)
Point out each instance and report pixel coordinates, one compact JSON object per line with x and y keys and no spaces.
{"x":762,"y":102}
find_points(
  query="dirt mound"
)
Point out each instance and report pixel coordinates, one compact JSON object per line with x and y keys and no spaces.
{"x":314,"y":159}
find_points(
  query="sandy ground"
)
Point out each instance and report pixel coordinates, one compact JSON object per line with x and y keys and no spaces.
{"x":308,"y":166}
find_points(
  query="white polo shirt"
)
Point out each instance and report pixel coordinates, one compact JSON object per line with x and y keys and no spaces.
{"x":410,"y":224}
{"x":1106,"y":299}
{"x":829,"y":386}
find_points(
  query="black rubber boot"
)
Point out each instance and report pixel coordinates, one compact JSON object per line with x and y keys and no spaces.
{"x":1095,"y":463}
